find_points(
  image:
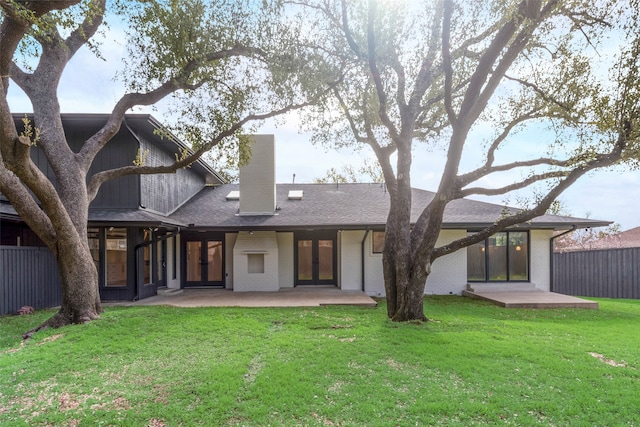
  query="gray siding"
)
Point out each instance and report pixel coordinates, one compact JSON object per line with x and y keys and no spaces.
{"x":164,"y":193}
{"x":28,"y":276}
{"x":120,"y":151}
{"x":612,"y":273}
{"x":121,"y":192}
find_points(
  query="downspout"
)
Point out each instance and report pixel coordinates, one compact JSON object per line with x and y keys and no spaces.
{"x":366,"y":233}
{"x":571,"y":230}
{"x":139,"y":246}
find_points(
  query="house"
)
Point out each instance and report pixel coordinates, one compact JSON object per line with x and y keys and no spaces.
{"x":191,"y":229}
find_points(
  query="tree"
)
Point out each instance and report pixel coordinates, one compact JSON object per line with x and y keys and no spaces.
{"x":469,"y":79}
{"x":584,"y":239}
{"x":224,"y":65}
{"x":369,"y":171}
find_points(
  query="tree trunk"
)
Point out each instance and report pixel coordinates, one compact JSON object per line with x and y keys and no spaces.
{"x":80,"y":294}
{"x":407,"y":288}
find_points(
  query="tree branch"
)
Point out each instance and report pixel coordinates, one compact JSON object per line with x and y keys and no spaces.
{"x":88,"y":28}
{"x":94,"y":144}
{"x":446,"y":61}
{"x":515,"y":186}
{"x":100,"y":178}
{"x":375,"y":73}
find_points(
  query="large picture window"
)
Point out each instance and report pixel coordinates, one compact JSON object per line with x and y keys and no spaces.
{"x":502,"y":257}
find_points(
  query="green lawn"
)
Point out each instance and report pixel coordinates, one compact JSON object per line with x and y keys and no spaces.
{"x":473,"y":364}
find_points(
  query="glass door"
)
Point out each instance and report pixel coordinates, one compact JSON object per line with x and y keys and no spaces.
{"x":204,"y":261}
{"x":315,"y":254}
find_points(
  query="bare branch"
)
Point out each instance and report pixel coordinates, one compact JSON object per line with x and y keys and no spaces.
{"x":446,"y":61}
{"x":375,"y":73}
{"x":94,"y":144}
{"x":515,"y":186}
{"x":88,"y":28}
{"x":100,"y":178}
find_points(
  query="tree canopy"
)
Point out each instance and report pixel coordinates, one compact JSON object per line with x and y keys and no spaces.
{"x":221,"y":65}
{"x":471,"y":79}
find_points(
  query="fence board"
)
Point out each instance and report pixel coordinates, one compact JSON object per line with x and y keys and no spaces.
{"x":609,"y":273}
{"x":28,"y":276}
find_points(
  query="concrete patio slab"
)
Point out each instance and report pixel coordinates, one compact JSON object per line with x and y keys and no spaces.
{"x":295,"y":297}
{"x":531,"y":299}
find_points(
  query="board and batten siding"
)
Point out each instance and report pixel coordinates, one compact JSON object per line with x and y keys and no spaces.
{"x":166,"y":192}
{"x":28,"y":277}
{"x":607,"y":273}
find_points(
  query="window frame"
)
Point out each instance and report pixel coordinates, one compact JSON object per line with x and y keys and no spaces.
{"x":507,"y":260}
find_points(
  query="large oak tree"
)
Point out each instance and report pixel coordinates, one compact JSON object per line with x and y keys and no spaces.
{"x":223,"y":65}
{"x":442,"y":75}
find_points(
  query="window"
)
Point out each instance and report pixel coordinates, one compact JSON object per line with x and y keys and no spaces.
{"x":94,"y":246}
{"x":502,"y":257}
{"x":147,"y":250}
{"x":377,"y":238}
{"x":116,"y":257}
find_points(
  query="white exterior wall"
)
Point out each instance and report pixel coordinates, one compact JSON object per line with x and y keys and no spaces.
{"x":285,"y":259}
{"x":448,"y":274}
{"x":261,"y":243}
{"x":540,"y":261}
{"x":229,"y":243}
{"x":350,"y":259}
{"x":171,"y":282}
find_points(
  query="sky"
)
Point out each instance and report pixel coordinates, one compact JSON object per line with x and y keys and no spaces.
{"x":88,"y":86}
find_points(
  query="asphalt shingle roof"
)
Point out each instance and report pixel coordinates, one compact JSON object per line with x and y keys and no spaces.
{"x":343,"y":206}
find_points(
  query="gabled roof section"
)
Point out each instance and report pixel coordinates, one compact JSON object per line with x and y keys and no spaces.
{"x":138,"y":125}
{"x":346,"y":206}
{"x":148,"y":125}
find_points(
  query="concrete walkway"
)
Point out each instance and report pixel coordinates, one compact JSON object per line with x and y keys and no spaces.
{"x":294,"y":297}
{"x":531,"y":299}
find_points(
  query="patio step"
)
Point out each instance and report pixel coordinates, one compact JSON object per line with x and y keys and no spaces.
{"x":502,"y":287}
{"x":169,"y":291}
{"x":534,"y":299}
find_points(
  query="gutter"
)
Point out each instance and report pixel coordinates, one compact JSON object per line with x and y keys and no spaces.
{"x":366,"y":233}
{"x":136,"y":250}
{"x":572,"y":229}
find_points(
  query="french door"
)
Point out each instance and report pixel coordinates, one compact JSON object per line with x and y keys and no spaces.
{"x":203,"y":260}
{"x":315,"y":255}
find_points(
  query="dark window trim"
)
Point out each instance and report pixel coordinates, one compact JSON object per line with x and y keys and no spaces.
{"x":174,"y":257}
{"x":486,"y":259}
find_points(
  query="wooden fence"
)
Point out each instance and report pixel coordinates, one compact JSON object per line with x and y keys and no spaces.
{"x":608,"y":273}
{"x":28,"y":276}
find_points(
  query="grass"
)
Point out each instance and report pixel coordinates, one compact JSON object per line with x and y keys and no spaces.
{"x":473,"y":364}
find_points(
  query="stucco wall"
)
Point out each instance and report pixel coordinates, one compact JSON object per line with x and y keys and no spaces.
{"x":350,"y":262}
{"x":229,"y":242}
{"x":285,"y":259}
{"x":448,"y":274}
{"x":171,"y":282}
{"x":540,"y":261}
{"x":262,"y":244}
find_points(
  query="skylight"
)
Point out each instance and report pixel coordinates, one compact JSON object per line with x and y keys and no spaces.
{"x":295,"y":195}
{"x":233,"y":195}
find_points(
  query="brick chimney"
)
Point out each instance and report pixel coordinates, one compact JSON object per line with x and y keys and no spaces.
{"x":258,"y":178}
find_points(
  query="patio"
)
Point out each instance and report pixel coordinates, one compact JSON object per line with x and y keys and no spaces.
{"x":290,"y":297}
